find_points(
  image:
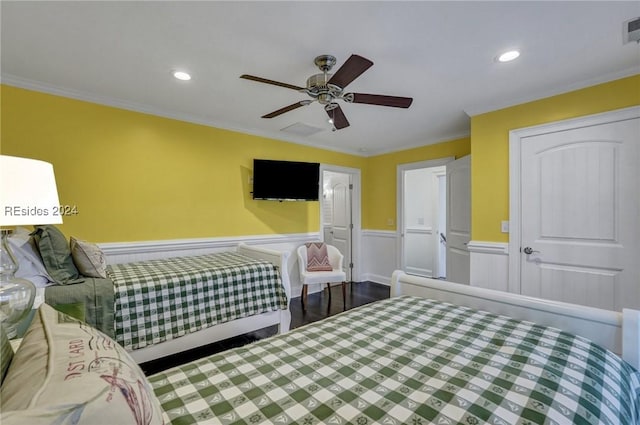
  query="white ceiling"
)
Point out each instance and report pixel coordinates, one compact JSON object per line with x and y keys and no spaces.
{"x":440,"y":53}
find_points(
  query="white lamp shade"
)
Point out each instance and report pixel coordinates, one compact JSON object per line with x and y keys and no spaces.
{"x":28,"y":192}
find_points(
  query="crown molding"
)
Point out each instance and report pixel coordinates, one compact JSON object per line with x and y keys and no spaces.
{"x":478,"y":109}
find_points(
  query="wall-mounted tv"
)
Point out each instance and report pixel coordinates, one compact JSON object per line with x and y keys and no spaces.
{"x":285,"y":180}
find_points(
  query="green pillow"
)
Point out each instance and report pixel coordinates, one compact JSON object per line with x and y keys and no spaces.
{"x":56,"y":254}
{"x":75,"y":310}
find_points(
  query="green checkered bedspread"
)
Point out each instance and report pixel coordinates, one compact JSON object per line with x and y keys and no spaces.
{"x":406,"y":360}
{"x":159,"y":300}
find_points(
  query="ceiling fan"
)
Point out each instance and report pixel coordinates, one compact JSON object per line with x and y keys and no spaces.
{"x":327,"y":88}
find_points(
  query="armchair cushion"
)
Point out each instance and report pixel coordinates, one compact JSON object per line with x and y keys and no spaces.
{"x":317,"y":257}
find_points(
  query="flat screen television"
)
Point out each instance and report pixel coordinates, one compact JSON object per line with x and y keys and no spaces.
{"x":285,"y":180}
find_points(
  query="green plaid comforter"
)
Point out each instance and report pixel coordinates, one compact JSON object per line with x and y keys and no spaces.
{"x":407,"y":360}
{"x":159,"y":300}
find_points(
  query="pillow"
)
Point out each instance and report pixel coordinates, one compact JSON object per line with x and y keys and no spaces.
{"x":56,"y":255}
{"x":317,"y":257}
{"x":30,"y":264}
{"x":67,"y":372}
{"x":76,"y":310}
{"x":88,"y":258}
{"x":6,"y":353}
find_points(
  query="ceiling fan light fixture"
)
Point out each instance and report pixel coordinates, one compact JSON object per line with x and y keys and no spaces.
{"x":181,"y":75}
{"x":508,"y":56}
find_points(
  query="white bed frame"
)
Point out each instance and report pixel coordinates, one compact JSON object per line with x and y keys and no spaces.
{"x":619,"y":332}
{"x":282,"y":318}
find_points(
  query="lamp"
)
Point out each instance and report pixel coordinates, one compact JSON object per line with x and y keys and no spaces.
{"x":28,"y":195}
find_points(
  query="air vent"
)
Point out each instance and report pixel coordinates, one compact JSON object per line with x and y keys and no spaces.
{"x":301,"y":129}
{"x":631,"y":31}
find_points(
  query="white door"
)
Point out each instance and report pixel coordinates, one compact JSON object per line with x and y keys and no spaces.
{"x":458,"y":219}
{"x":337,"y":205}
{"x":580,"y":215}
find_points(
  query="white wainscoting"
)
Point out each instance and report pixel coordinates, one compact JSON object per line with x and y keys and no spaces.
{"x":379,"y":255}
{"x":126,"y":252}
{"x":489,"y":260}
{"x":419,"y":251}
{"x":489,"y":265}
{"x":379,"y":259}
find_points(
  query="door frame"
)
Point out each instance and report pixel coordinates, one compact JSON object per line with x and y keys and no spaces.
{"x":401,"y":168}
{"x":516,"y":138}
{"x":356,"y":219}
{"x":439,"y":272}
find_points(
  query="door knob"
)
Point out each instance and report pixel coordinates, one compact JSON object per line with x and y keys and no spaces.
{"x":528,"y":250}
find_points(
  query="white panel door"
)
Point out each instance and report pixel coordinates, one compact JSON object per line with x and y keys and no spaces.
{"x":340,"y":226}
{"x":580,"y":215}
{"x":458,"y":219}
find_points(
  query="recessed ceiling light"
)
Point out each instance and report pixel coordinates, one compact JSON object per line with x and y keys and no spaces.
{"x":508,"y":56}
{"x":181,"y":75}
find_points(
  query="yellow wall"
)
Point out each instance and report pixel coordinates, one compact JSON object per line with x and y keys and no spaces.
{"x":380,"y":176}
{"x":134,"y":176}
{"x":490,"y":144}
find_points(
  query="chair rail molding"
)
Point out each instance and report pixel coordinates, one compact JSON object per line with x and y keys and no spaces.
{"x":489,"y":247}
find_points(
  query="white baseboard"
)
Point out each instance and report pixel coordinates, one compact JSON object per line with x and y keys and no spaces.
{"x":383,"y":280}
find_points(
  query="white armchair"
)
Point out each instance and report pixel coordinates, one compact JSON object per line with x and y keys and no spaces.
{"x":310,"y":277}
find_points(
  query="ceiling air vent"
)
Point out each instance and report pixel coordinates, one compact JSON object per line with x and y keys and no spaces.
{"x":631,"y":31}
{"x":301,"y":129}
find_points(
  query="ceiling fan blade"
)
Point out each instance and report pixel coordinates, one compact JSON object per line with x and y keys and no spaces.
{"x":338,"y":117}
{"x":286,"y":109}
{"x":350,"y":70}
{"x":378,"y":99}
{"x":275,"y":83}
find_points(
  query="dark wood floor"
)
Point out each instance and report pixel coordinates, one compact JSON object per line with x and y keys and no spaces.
{"x":318,"y":307}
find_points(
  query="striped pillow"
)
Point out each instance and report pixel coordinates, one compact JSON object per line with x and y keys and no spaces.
{"x":317,"y":257}
{"x":6,"y":353}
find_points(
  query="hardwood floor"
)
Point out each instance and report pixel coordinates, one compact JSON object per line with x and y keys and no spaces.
{"x":318,"y":307}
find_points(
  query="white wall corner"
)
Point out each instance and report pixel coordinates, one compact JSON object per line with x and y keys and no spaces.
{"x":379,"y":254}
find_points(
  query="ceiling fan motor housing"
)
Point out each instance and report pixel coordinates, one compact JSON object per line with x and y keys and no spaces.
{"x":317,"y":82}
{"x":318,"y":88}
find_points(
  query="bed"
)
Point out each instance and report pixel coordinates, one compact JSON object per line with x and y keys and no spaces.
{"x":161,"y":307}
{"x":408,"y":359}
